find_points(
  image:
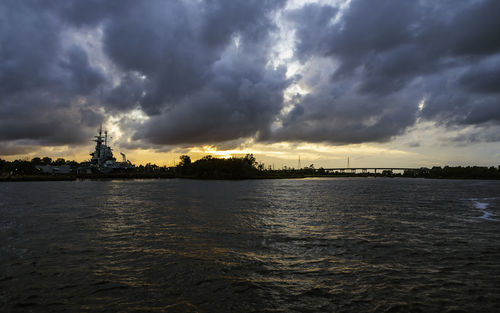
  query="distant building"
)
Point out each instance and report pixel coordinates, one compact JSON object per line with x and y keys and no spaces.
{"x":50,"y":169}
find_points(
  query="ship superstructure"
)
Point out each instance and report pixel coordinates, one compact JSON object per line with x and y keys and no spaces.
{"x":102,"y":154}
{"x":102,"y":157}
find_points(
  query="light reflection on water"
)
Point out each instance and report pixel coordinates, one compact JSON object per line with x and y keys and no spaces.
{"x":352,"y":245}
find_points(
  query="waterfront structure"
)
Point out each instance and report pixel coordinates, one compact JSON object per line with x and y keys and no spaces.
{"x":50,"y":169}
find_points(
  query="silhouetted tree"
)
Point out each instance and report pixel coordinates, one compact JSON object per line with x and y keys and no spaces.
{"x":250,"y":159}
{"x":59,"y":161}
{"x":36,"y":161}
{"x":21,"y":167}
{"x":46,"y":161}
{"x":3,"y":163}
{"x":72,"y":163}
{"x":185,"y":161}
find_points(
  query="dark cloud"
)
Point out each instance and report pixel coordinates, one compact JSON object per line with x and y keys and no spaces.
{"x":174,"y":43}
{"x":474,"y":29}
{"x":46,"y":119}
{"x":482,"y":79}
{"x":206,"y":74}
{"x":478,"y":134}
{"x":42,"y":80}
{"x":175,"y":60}
{"x":126,"y":95}
{"x":78,"y":77}
{"x":15,"y":148}
{"x":323,"y":117}
{"x":390,"y":55}
{"x":202,"y":70}
{"x":87,"y":13}
{"x":230,"y":107}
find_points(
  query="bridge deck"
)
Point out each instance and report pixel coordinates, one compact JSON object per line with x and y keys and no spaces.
{"x":370,"y":168}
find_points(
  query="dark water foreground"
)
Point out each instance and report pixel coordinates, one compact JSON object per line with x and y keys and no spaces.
{"x":322,"y":245}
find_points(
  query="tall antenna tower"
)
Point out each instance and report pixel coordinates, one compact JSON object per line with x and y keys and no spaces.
{"x":348,"y":165}
{"x":299,"y":162}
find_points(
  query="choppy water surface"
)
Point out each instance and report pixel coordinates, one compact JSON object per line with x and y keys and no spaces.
{"x":321,"y":245}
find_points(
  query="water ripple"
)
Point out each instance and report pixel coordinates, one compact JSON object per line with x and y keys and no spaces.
{"x":330,"y":245}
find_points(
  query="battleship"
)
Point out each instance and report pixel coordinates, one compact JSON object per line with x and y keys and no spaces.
{"x":102,"y":160}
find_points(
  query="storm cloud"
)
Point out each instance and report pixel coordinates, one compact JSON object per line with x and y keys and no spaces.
{"x":390,"y":63}
{"x":43,"y":80}
{"x":208,"y":72}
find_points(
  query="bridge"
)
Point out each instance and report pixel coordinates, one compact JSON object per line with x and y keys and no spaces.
{"x":353,"y":170}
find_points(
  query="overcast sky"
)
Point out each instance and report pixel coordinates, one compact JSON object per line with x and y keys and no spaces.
{"x":402,"y":83}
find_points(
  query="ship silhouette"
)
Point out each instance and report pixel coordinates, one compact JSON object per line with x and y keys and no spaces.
{"x":102,"y":160}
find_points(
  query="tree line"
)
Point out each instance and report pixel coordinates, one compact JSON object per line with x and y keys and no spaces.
{"x":245,"y":167}
{"x":206,"y":167}
{"x":215,"y":168}
{"x":467,"y":172}
{"x":29,"y":167}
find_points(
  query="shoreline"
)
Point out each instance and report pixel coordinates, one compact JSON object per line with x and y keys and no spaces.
{"x":37,"y":178}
